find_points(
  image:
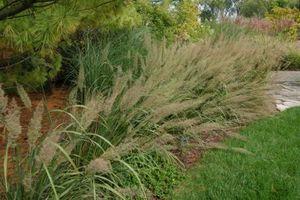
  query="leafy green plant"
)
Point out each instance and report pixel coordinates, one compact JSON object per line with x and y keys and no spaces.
{"x":159,"y":174}
{"x":33,"y":72}
{"x":35,"y":39}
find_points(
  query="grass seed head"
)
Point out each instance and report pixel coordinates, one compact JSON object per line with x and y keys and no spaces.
{"x":48,"y":149}
{"x":3,"y":100}
{"x":12,"y":123}
{"x":24,"y":96}
{"x":99,"y":165}
{"x":35,"y":125}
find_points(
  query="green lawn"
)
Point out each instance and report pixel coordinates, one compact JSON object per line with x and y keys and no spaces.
{"x":273,"y":172}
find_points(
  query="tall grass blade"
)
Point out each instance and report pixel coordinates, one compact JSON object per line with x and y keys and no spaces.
{"x":136,"y":176}
{"x":5,"y":167}
{"x":51,"y":182}
{"x":66,"y":155}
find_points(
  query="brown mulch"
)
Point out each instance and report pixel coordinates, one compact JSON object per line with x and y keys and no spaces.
{"x":192,"y":155}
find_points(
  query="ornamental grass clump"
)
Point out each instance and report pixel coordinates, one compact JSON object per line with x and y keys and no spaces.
{"x":198,"y":83}
{"x":183,"y":91}
{"x":107,"y":143}
{"x":53,"y":166}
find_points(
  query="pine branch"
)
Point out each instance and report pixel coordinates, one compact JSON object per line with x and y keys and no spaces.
{"x":12,"y":8}
{"x":15,"y":7}
{"x":97,"y":6}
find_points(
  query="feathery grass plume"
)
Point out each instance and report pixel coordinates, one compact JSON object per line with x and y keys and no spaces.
{"x":99,"y":165}
{"x":181,"y":123}
{"x":35,"y":125}
{"x":165,"y":139}
{"x":48,"y":149}
{"x":80,"y":79}
{"x":120,"y":84}
{"x":12,"y":123}
{"x":201,"y":87}
{"x":164,"y":143}
{"x":193,"y":84}
{"x":3,"y":100}
{"x":73,"y":99}
{"x":3,"y":105}
{"x":124,"y":148}
{"x":172,"y":109}
{"x":27,"y":183}
{"x":67,"y":149}
{"x":24,"y":96}
{"x":133,"y":94}
{"x":93,"y":106}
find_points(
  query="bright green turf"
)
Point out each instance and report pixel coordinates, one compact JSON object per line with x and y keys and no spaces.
{"x":273,"y":172}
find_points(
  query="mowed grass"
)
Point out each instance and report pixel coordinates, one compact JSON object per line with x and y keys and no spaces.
{"x":272,"y":172}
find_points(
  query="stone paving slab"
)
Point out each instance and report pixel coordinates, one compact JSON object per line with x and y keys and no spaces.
{"x":288,"y":77}
{"x":286,"y":89}
{"x":297,"y":44}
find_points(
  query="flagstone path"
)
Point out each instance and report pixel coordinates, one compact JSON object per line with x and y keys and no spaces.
{"x":286,"y":90}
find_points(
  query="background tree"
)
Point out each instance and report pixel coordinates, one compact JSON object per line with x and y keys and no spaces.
{"x":171,"y":19}
{"x":10,"y":8}
{"x":250,"y":8}
{"x":213,"y":9}
{"x":33,"y":37}
{"x":30,"y":39}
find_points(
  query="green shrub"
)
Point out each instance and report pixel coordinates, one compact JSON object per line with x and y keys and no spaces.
{"x":291,"y":61}
{"x":42,"y":34}
{"x":285,"y":21}
{"x":37,"y":37}
{"x":229,"y":30}
{"x":33,"y":72}
{"x":172,"y":20}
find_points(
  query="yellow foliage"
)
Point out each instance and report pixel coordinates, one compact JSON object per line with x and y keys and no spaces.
{"x":285,"y":20}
